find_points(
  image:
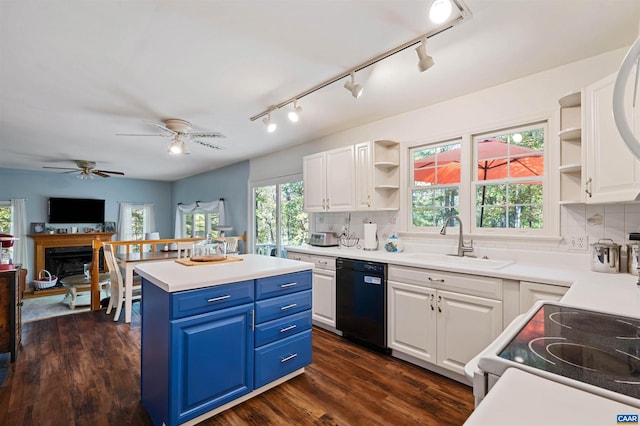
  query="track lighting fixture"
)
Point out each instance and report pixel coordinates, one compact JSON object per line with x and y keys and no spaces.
{"x":355,"y":89}
{"x":271,"y":127}
{"x":424,"y":61}
{"x":440,"y":13}
{"x":294,"y":114}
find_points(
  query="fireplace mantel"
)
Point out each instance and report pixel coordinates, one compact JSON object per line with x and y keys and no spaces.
{"x":44,"y":241}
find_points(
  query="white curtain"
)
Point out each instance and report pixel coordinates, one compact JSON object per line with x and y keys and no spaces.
{"x":124,"y":222}
{"x":19,"y":230}
{"x":199,"y":207}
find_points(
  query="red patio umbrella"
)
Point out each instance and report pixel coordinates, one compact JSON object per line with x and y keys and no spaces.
{"x":496,"y":160}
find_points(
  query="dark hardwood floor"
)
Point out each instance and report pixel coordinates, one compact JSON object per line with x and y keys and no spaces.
{"x":84,"y":369}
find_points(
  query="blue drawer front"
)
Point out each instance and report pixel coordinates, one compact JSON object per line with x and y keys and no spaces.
{"x":282,"y":284}
{"x":192,"y":302}
{"x":284,"y":327}
{"x":278,"y":307}
{"x":282,"y":357}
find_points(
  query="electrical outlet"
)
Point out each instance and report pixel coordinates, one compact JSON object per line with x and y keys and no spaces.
{"x":577,"y":242}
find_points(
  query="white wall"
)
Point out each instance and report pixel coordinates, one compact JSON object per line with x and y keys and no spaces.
{"x":518,"y":101}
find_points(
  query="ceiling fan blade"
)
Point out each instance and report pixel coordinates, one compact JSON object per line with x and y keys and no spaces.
{"x":160,"y":126}
{"x":109,"y":171}
{"x":62,"y":168}
{"x":205,"y":135}
{"x":143,"y":134}
{"x":208,"y":145}
{"x":99,"y":173}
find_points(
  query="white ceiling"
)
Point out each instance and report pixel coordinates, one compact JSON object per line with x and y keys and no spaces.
{"x":74,"y":73}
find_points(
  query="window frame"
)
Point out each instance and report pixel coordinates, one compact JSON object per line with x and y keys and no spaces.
{"x":463,"y":195}
{"x":7,"y":204}
{"x":551,"y":212}
{"x":474,"y":183}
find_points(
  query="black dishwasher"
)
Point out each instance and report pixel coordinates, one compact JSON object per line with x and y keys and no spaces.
{"x":361,"y":302}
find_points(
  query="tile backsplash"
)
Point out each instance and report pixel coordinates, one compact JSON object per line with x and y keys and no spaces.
{"x":579,"y":221}
{"x":614,"y":221}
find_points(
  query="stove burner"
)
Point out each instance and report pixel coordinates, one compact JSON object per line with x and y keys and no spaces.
{"x":594,"y":359}
{"x":594,"y":323}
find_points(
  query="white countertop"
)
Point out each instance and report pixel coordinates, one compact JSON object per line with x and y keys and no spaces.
{"x":522,"y":398}
{"x":535,"y":270}
{"x":172,"y":276}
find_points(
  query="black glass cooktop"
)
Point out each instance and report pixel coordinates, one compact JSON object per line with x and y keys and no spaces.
{"x":592,"y":347}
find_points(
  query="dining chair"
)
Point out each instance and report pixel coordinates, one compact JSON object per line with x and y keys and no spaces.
{"x":117,"y":283}
{"x":184,"y":250}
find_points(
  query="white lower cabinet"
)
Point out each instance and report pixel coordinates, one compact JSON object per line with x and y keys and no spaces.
{"x":531,"y":293}
{"x":442,"y":327}
{"x":323,"y":311}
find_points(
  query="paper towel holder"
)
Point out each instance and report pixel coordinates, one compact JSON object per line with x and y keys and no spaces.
{"x":367,"y":243}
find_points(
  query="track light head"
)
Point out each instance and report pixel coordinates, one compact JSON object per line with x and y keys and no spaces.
{"x":294,"y":114}
{"x":424,"y":61}
{"x":440,"y":11}
{"x":271,"y":127}
{"x":355,"y":89}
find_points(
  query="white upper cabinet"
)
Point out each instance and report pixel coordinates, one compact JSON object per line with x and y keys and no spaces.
{"x":329,"y":180}
{"x":612,"y":172}
{"x":364,"y":176}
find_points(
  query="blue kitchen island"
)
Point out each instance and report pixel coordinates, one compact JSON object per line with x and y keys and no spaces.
{"x":216,"y":335}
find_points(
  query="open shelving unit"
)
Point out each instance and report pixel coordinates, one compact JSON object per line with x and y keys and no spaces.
{"x":571,"y":152}
{"x":386,"y":174}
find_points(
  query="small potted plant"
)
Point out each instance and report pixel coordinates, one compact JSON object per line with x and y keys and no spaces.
{"x":51,"y":229}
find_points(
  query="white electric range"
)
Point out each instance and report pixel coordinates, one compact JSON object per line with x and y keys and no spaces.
{"x":593,"y":351}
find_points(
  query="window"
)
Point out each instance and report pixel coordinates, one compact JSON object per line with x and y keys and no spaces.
{"x":435,"y":189}
{"x":135,"y":221}
{"x":199,"y":225}
{"x":279,"y":218}
{"x":495,"y":182}
{"x":509,"y":184}
{"x":6,"y":224}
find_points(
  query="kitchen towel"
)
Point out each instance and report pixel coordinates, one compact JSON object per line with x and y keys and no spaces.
{"x":370,"y":236}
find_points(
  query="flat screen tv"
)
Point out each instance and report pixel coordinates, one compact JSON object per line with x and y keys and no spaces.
{"x":76,"y":210}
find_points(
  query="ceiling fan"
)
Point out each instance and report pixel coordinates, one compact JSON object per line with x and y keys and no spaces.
{"x":87,"y":169}
{"x":178,"y":130}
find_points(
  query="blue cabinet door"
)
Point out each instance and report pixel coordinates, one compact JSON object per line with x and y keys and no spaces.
{"x":212,"y":361}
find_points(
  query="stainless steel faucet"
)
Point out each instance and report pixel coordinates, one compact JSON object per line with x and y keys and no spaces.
{"x":462,"y":248}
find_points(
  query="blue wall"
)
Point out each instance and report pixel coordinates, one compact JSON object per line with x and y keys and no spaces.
{"x":36,"y":187}
{"x":230,"y":183}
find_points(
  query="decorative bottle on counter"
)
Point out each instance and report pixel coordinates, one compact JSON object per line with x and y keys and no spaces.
{"x":393,"y":244}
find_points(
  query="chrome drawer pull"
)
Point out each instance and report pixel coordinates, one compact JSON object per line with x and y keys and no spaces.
{"x":288,"y":285}
{"x":441,"y":280}
{"x":323,"y":262}
{"x":291,"y":327}
{"x":215,"y":299}
{"x":293,"y":305}
{"x":290,"y":357}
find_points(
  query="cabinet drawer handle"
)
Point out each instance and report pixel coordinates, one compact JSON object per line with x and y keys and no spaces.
{"x":216,"y":299}
{"x":293,"y":305}
{"x":288,"y":285}
{"x":433,"y":280}
{"x":297,"y":258}
{"x":323,"y":262}
{"x":291,"y":327}
{"x":290,"y":357}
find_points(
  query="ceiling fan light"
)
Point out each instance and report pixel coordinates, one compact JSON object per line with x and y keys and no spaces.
{"x":440,"y":11}
{"x":271,"y":126}
{"x":175,"y":147}
{"x":424,"y":60}
{"x":185,"y":149}
{"x":85,"y":176}
{"x":355,"y":89}
{"x":294,"y":114}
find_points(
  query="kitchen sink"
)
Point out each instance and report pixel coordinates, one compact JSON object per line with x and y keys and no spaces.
{"x":465,"y":262}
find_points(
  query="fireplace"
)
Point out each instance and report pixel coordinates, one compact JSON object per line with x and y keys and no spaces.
{"x":65,"y":261}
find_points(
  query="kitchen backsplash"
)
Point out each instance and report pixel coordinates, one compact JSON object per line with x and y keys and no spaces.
{"x":614,"y":221}
{"x":581,"y":224}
